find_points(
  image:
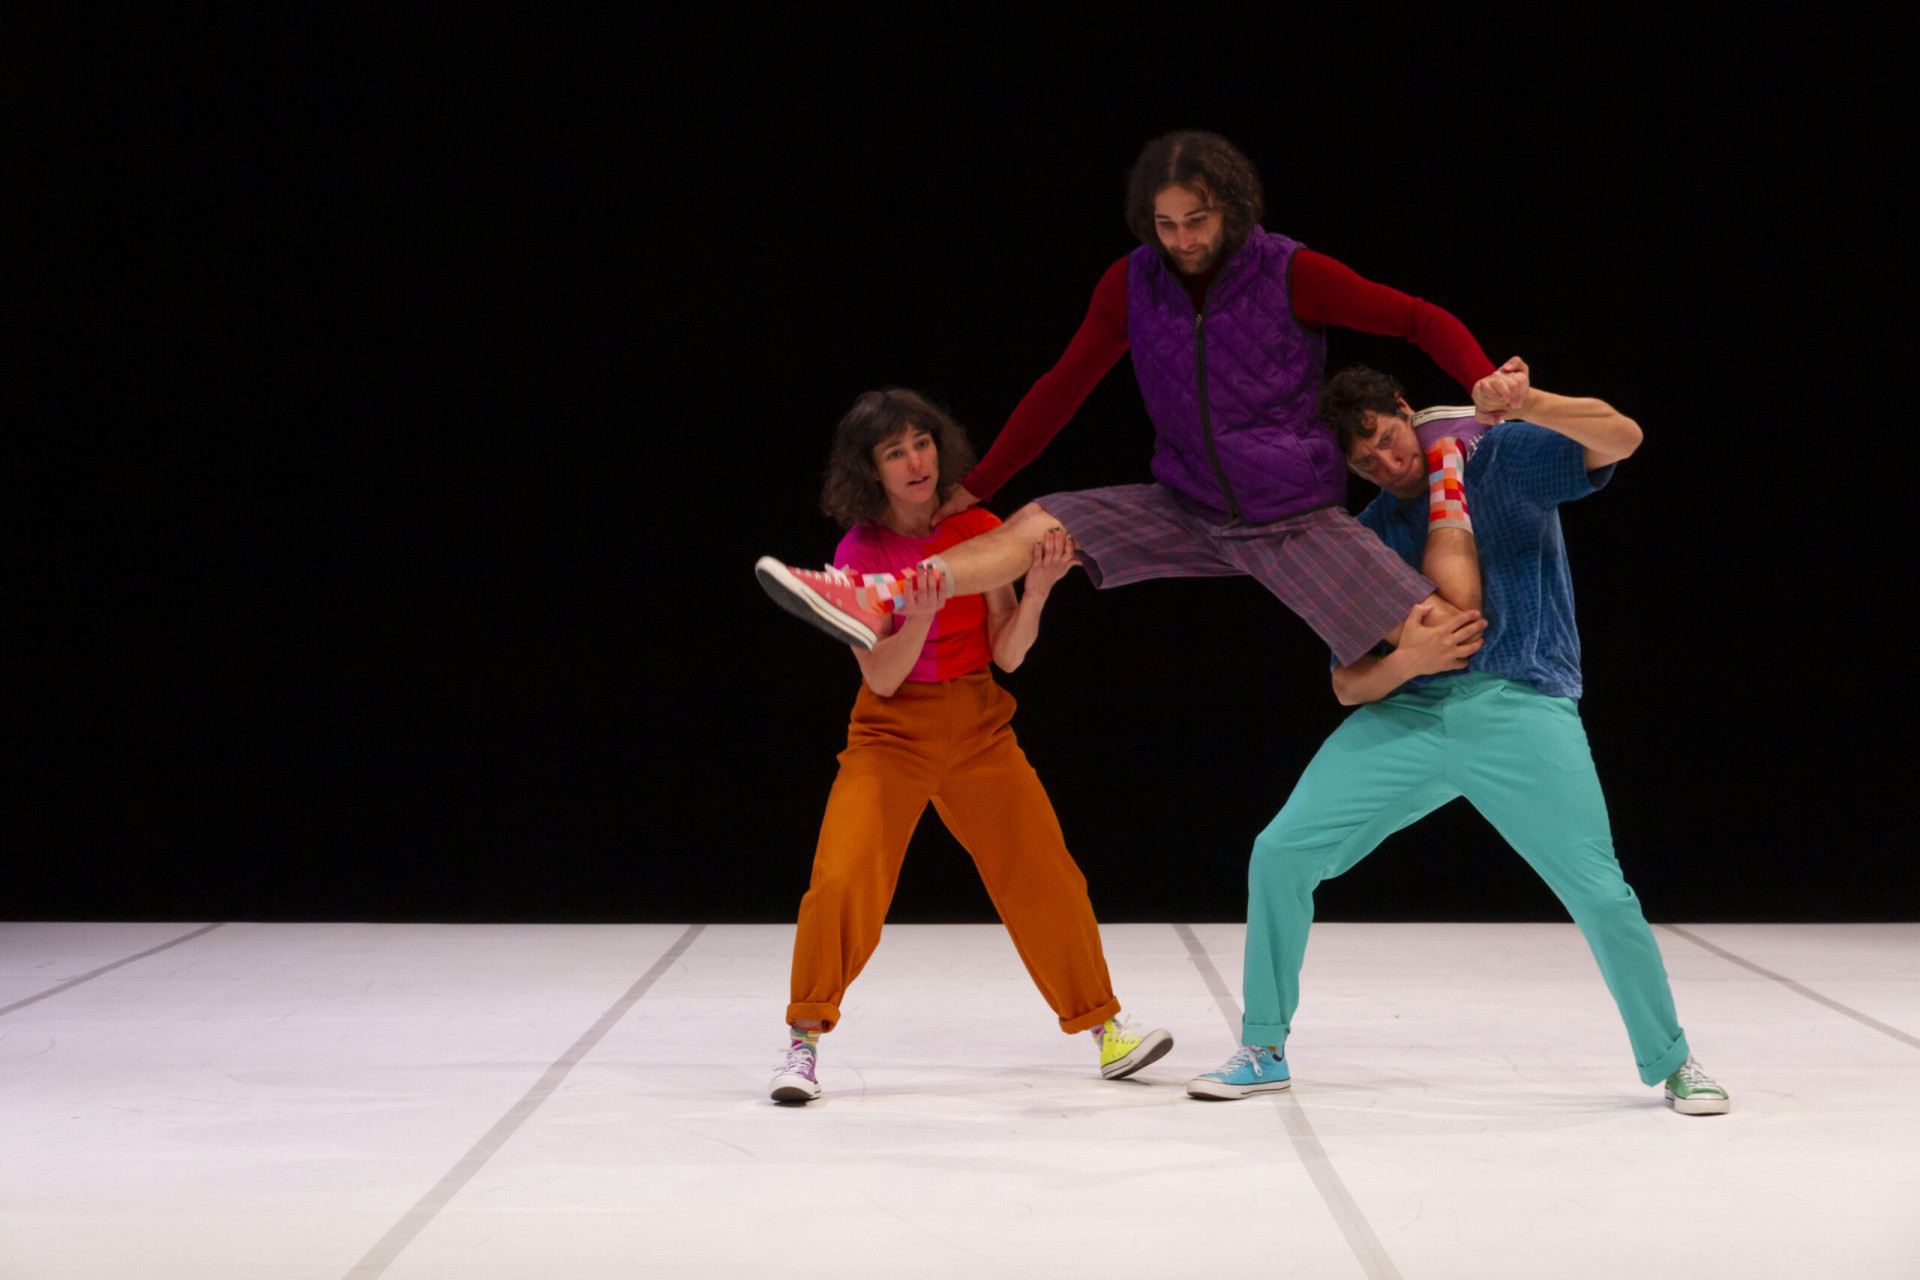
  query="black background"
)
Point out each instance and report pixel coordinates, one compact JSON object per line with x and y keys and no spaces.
{"x":394,"y":413}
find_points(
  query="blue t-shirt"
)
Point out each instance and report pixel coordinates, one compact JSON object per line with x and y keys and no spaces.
{"x":1515,"y":481}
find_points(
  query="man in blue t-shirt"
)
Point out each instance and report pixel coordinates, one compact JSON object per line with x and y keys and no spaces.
{"x":1436,"y":720}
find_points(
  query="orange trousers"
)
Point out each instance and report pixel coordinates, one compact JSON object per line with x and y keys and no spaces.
{"x":948,"y":742}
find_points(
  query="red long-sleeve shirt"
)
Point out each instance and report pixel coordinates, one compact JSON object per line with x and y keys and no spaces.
{"x":1323,"y":292}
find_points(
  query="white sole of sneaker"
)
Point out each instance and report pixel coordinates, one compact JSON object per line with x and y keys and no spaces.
{"x":1699,"y":1106}
{"x":794,"y":1089}
{"x":1221,"y":1091}
{"x":800,"y":600}
{"x":1152,"y":1047}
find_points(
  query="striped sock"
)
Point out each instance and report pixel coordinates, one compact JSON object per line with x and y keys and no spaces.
{"x":807,"y":1036}
{"x":1446,"y":494}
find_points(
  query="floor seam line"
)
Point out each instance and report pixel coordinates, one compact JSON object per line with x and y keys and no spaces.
{"x":1353,"y":1224}
{"x":415,"y":1220}
{"x":1864,"y":1019}
{"x":71,"y":983}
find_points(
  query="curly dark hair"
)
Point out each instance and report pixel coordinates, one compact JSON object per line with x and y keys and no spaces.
{"x":851,"y":492}
{"x":1350,"y":395}
{"x":1204,"y":163}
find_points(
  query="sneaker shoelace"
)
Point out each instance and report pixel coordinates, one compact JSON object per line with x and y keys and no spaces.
{"x":799,"y":1062}
{"x":1694,"y":1076}
{"x":1245,"y":1056}
{"x":838,"y":576}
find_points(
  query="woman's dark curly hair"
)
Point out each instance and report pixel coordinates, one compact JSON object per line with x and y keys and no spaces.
{"x":1206,"y":164}
{"x":851,"y":492}
{"x":1350,"y":395}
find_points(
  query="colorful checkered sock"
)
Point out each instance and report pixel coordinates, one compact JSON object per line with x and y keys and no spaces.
{"x":885,"y":593}
{"x":808,"y":1037}
{"x":1446,"y":495}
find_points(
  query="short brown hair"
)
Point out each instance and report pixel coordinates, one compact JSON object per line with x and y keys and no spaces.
{"x":1204,"y":163}
{"x":1350,"y":395}
{"x":850,"y":493}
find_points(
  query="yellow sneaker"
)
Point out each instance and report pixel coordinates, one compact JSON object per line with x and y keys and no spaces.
{"x":1124,"y":1051}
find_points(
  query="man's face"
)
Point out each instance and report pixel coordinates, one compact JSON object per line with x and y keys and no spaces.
{"x":1390,"y":455}
{"x":1190,"y":228}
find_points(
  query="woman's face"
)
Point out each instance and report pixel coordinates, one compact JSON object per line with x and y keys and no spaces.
{"x":908,"y":467}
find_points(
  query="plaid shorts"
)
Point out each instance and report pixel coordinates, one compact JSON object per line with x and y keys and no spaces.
{"x":1324,"y":565}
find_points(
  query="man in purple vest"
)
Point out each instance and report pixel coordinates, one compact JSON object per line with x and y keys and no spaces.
{"x":1226,"y":324}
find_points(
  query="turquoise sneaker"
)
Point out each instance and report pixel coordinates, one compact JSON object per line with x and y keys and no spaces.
{"x":1253,"y":1068}
{"x":1694,"y":1093}
{"x":1124,"y":1051}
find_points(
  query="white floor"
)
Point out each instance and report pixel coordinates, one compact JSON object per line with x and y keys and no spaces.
{"x":270,"y":1101}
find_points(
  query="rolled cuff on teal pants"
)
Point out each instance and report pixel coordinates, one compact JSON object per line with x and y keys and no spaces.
{"x":1521,"y":758}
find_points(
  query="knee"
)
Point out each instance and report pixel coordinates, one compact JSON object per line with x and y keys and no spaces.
{"x":1604,"y":902}
{"x":1277,"y":857}
{"x":1033,"y":521}
{"x":838,"y":882}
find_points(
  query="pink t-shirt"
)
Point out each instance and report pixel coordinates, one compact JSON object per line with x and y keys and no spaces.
{"x":957,"y":643}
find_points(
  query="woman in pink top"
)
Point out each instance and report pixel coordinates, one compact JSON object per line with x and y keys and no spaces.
{"x":930,"y":724}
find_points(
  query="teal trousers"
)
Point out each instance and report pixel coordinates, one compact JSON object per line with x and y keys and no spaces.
{"x":1521,"y":758}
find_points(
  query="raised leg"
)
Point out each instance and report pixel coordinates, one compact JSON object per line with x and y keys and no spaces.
{"x":998,"y":556}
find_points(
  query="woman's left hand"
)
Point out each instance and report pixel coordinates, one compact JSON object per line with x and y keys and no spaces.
{"x":1052,"y":557}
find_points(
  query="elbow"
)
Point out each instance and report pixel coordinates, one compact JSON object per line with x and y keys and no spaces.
{"x":1630,"y":437}
{"x":882,"y":688}
{"x":1008,"y":661}
{"x":1343,"y":690}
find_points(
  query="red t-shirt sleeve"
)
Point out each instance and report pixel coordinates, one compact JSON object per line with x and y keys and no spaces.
{"x":1098,"y":344}
{"x":1328,"y":292}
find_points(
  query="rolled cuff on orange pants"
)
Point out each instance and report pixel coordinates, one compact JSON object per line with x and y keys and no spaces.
{"x":950,"y":743}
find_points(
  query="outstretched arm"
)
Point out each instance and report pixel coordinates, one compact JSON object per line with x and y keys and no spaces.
{"x":1606,"y":434}
{"x":1099,"y":342}
{"x":1325,"y":291}
{"x":1011,"y":629}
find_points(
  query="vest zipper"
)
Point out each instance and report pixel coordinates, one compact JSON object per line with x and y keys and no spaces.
{"x":1206,"y":421}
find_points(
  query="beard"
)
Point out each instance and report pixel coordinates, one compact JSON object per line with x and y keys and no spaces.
{"x":1220,"y":255}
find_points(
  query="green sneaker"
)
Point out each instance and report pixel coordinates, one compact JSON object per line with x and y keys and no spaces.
{"x":1124,"y":1051}
{"x":1693,"y":1092}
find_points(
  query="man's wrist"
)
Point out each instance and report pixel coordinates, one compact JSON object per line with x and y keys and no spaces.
{"x":1410,"y":666}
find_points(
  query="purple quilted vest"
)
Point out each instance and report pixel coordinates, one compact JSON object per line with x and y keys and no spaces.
{"x":1232,"y":392}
